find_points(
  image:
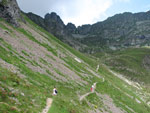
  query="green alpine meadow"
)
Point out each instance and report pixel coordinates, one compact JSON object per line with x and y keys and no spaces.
{"x":43,"y":69}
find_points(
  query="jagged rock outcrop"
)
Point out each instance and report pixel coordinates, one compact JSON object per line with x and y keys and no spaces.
{"x":84,"y":29}
{"x":37,"y":19}
{"x":54,"y":24}
{"x":71,"y":28}
{"x":51,"y":22}
{"x":10,"y":11}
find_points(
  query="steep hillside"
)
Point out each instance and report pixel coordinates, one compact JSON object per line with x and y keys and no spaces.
{"x":32,"y":62}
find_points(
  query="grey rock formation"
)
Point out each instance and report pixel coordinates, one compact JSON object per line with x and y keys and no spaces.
{"x":84,"y":29}
{"x":54,"y":24}
{"x":120,"y":31}
{"x":71,"y":28}
{"x":37,"y":19}
{"x":10,"y":11}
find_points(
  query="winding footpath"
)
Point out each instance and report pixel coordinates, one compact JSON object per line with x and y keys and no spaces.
{"x":48,"y":105}
{"x":83,"y":96}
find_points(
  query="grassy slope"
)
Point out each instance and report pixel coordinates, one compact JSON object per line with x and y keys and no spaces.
{"x":29,"y":94}
{"x":129,"y":62}
{"x":31,"y":89}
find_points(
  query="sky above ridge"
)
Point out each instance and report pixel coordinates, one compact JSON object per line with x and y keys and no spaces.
{"x":82,"y":12}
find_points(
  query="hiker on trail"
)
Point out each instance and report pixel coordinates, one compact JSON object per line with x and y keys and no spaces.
{"x":92,"y":88}
{"x":54,"y":91}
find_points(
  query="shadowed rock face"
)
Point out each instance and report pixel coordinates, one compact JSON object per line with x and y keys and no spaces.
{"x":10,"y":11}
{"x":51,"y":22}
{"x":71,"y":28}
{"x":54,"y":24}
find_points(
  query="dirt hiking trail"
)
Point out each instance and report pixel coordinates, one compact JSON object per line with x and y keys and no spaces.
{"x":48,"y":105}
{"x":83,"y":96}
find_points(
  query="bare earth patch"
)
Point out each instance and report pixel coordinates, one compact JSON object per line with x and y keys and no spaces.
{"x":48,"y":105}
{"x":108,"y":102}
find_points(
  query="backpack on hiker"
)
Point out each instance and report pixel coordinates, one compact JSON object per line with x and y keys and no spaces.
{"x":56,"y":91}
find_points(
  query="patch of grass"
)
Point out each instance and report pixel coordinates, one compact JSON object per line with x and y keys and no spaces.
{"x":25,"y":53}
{"x":43,"y":61}
{"x":4,"y":27}
{"x":4,"y":2}
{"x":49,"y":56}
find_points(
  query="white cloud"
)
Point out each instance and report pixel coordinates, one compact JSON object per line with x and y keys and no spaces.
{"x":84,"y":11}
{"x":76,"y":11}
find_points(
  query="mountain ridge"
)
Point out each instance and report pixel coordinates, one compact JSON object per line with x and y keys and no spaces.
{"x":119,"y":31}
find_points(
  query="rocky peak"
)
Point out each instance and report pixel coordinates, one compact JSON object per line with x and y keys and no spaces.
{"x":84,"y":29}
{"x":54,"y":18}
{"x":37,"y":19}
{"x":54,"y":24}
{"x":71,"y":28}
{"x":10,"y":11}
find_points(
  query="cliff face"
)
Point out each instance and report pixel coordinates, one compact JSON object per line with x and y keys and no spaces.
{"x":10,"y":11}
{"x":51,"y":22}
{"x":54,"y":24}
{"x":37,"y":19}
{"x":71,"y":28}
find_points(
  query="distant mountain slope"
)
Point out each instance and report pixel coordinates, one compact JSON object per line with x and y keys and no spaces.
{"x":119,"y":31}
{"x":134,"y":63}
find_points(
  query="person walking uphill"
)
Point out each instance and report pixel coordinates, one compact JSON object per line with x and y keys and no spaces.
{"x":92,"y":88}
{"x":54,"y":91}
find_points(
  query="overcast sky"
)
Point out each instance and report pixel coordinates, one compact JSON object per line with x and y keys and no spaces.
{"x":83,"y":11}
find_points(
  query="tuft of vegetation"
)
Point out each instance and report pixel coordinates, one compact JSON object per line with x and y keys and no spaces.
{"x":4,"y":2}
